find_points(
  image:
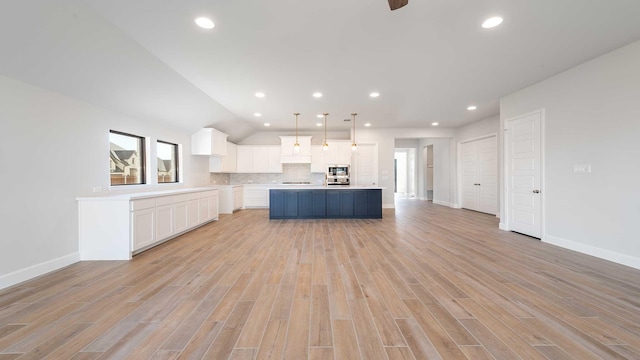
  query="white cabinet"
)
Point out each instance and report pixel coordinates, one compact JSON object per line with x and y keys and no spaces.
{"x":339,"y":152}
{"x":116,"y":227}
{"x":364,"y":170}
{"x":287,"y":153}
{"x":209,"y":141}
{"x":226,"y":164}
{"x":318,"y":165}
{"x":238,"y":198}
{"x":256,"y":196}
{"x":143,"y":228}
{"x":258,"y":159}
{"x":231,"y":198}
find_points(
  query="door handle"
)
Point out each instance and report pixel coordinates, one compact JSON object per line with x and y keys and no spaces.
{"x":536,"y":191}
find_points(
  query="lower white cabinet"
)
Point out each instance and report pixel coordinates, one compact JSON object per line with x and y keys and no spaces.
{"x":116,"y":227}
{"x":231,"y":198}
{"x":256,"y":196}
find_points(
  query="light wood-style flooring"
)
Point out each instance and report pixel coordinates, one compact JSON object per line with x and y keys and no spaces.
{"x":425,"y":282}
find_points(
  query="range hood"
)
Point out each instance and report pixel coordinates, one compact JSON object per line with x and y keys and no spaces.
{"x":288,"y":156}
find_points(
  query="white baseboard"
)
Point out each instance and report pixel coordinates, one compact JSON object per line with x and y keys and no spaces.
{"x":443,"y":203}
{"x":503,"y":226}
{"x":613,"y":256}
{"x":388,"y":206}
{"x":456,"y":206}
{"x":37,"y":270}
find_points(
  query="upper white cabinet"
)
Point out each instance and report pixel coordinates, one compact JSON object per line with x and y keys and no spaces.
{"x":288,"y":155}
{"x":318,"y":165}
{"x":258,"y":159}
{"x":226,"y":164}
{"x":339,"y":152}
{"x":210,"y":142}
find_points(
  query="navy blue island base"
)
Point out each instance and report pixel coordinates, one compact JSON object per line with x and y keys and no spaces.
{"x":325,"y":203}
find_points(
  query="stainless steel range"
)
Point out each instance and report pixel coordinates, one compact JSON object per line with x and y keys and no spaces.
{"x":338,"y":175}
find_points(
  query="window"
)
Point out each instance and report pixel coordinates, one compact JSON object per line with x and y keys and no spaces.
{"x":127,"y":159}
{"x":167,"y":162}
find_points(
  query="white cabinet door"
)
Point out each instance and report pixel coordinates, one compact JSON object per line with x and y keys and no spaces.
{"x":181,"y":220}
{"x":193,"y":212}
{"x":164,"y":222}
{"x":143,"y":228}
{"x":318,"y":163}
{"x":275,"y":165}
{"x":203,"y":210}
{"x":260,"y":159}
{"x":213,"y":207}
{"x":468,"y":175}
{"x":244,"y":159}
{"x":209,"y":141}
{"x":238,"y":197}
{"x":229,"y":162}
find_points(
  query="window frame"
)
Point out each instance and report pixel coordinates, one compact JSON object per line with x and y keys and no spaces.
{"x":142,"y":156}
{"x":176,"y":155}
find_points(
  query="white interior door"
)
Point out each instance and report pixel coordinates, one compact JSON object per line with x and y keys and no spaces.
{"x":469,"y":161}
{"x":487,"y":151}
{"x":524,"y":174}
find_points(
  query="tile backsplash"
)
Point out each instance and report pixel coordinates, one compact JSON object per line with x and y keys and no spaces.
{"x":290,"y":173}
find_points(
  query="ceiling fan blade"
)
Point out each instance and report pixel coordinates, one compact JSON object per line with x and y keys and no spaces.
{"x":397,"y":4}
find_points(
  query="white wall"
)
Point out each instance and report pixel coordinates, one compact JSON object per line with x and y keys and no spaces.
{"x":592,"y":116}
{"x":54,"y":148}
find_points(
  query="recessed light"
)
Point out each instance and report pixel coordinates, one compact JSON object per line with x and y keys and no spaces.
{"x":472,"y":107}
{"x":317,"y":95}
{"x":257,"y":114}
{"x":260,"y":94}
{"x":267,"y":124}
{"x":492,"y":22}
{"x":204,"y":22}
{"x":318,"y":124}
{"x":374,"y":94}
{"x":435,"y":123}
{"x":319,"y":116}
{"x":367,"y":124}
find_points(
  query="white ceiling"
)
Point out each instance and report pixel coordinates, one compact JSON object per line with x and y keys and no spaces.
{"x":429,"y":60}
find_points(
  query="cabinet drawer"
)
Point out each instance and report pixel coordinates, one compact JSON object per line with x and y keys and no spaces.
{"x":142,"y":204}
{"x":206,"y":194}
{"x":165,"y":200}
{"x":181,"y":198}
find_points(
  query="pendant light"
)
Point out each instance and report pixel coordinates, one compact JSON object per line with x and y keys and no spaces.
{"x":325,"y":146}
{"x":354,"y":146}
{"x":296,"y":146}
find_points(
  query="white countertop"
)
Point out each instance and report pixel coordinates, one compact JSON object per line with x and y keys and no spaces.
{"x":143,"y":195}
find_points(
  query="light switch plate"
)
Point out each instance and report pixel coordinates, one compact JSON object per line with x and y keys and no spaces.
{"x":581,"y":168}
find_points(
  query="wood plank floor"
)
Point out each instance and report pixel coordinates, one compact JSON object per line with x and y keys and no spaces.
{"x":425,"y":282}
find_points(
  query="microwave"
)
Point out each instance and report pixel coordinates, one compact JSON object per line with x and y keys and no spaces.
{"x":338,"y":175}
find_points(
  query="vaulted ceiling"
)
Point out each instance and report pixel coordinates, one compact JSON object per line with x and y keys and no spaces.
{"x":429,"y":60}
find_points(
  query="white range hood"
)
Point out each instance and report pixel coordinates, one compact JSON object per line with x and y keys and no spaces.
{"x":288,"y":156}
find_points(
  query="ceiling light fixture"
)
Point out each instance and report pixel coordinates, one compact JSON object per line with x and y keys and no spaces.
{"x":325,"y":146}
{"x":472,"y":107}
{"x":319,"y":116}
{"x":204,"y":22}
{"x":492,"y":22}
{"x":435,"y":124}
{"x":257,"y":114}
{"x":260,"y":94}
{"x":317,"y":94}
{"x":354,"y":146}
{"x":367,"y":124}
{"x":374,"y":94}
{"x":318,"y":124}
{"x":296,"y":146}
{"x":267,"y":124}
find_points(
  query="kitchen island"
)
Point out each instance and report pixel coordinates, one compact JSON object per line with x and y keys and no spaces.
{"x":325,"y":202}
